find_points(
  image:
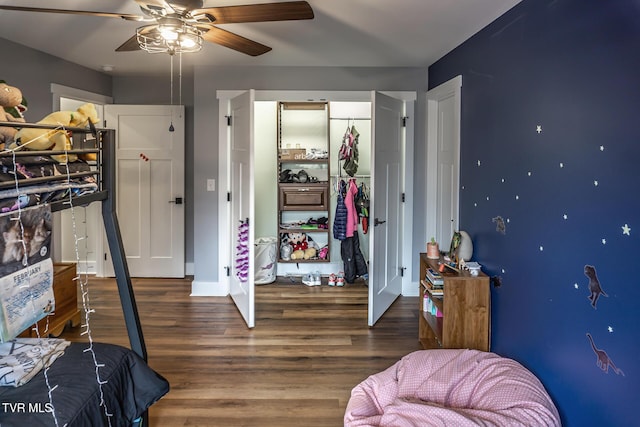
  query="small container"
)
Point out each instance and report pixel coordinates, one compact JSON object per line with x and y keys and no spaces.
{"x":432,"y":250}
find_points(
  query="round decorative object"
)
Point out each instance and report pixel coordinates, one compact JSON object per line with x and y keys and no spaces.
{"x":465,"y":250}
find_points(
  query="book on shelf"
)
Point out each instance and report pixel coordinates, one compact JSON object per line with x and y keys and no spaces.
{"x":429,"y":307}
{"x":434,"y":276}
{"x":435,"y":290}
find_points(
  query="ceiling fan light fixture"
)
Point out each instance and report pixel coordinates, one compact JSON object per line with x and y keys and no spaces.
{"x":170,"y":36}
{"x":169,"y":28}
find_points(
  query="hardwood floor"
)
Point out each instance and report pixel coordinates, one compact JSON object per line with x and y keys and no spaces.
{"x":297,"y":367}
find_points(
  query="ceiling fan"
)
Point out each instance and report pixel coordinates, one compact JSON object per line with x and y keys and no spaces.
{"x":174,"y":26}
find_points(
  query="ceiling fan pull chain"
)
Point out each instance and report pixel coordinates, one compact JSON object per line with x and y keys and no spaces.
{"x":171,"y":128}
{"x":171,"y":91}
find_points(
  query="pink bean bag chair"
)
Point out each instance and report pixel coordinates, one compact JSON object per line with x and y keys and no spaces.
{"x":451,"y":388}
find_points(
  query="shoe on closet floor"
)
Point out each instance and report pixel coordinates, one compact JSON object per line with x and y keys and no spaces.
{"x":332,"y":280}
{"x":312,"y":279}
{"x":308,"y":279}
{"x":340,"y":279}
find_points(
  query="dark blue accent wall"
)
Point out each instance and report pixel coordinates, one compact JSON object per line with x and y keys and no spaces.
{"x":567,"y":193}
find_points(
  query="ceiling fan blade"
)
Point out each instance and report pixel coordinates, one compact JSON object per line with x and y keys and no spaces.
{"x":155,"y":6}
{"x":132,"y":44}
{"x":124,"y":16}
{"x":232,"y":41}
{"x":283,"y":11}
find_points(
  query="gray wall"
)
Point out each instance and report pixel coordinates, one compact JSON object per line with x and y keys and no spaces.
{"x":33,"y":72}
{"x":207,"y":80}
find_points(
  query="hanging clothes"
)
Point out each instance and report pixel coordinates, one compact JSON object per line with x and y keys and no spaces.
{"x":354,"y":263}
{"x":349,"y":150}
{"x":352,"y":212}
{"x":362,"y":206}
{"x":340,"y":218}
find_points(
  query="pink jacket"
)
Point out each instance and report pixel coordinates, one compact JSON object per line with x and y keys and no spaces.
{"x":352,"y":213}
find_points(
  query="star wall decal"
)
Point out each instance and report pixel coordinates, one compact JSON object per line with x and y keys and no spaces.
{"x":626,"y":230}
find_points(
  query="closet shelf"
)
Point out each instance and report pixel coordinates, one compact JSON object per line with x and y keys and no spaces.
{"x":302,"y":230}
{"x":304,"y":261}
{"x":304,"y":125}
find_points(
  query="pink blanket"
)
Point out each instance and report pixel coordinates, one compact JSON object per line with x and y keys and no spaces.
{"x":451,"y":388}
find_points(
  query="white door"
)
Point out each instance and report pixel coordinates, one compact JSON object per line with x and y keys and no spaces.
{"x":150,"y":186}
{"x":385,"y":280}
{"x":80,"y":231}
{"x":241,"y":281}
{"x":444,"y":159}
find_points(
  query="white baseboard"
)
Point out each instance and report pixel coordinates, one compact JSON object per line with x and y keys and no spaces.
{"x":412,"y":291}
{"x":208,"y":289}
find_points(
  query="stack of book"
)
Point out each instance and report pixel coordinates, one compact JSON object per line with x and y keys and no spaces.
{"x":434,"y":282}
{"x":434,"y":276}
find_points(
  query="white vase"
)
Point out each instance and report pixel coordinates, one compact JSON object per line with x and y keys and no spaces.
{"x":465,"y":250}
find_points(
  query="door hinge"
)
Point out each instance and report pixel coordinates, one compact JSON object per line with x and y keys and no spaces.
{"x":404,"y":121}
{"x":403,"y":198}
{"x":228,"y":196}
{"x":228,"y":120}
{"x":105,"y":256}
{"x":228,"y":270}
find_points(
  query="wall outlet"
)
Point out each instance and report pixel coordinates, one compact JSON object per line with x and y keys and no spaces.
{"x":211,"y":185}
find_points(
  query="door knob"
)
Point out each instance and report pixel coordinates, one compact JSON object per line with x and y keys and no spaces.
{"x":177,"y":201}
{"x":377,"y":222}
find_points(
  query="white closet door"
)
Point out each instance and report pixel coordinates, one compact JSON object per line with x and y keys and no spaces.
{"x":241,"y":284}
{"x":385,"y":280}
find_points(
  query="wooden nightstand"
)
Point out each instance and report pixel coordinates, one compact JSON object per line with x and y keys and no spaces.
{"x":66,"y":295}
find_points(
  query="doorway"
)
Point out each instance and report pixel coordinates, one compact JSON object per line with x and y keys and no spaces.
{"x":393,"y":276}
{"x":443,"y":160}
{"x":88,"y":220}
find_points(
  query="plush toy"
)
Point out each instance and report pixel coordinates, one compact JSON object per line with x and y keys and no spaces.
{"x":56,"y":139}
{"x":301,"y":247}
{"x":13,"y":106}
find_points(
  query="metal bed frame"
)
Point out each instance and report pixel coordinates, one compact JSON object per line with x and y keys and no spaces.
{"x":104,"y":147}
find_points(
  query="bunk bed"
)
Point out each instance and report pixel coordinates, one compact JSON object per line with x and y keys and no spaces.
{"x":129,"y":386}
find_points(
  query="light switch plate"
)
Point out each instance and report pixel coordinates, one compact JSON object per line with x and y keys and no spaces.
{"x":211,"y":185}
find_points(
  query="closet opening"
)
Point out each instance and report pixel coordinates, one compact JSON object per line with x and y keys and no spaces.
{"x":282,"y":171}
{"x":300,"y":170}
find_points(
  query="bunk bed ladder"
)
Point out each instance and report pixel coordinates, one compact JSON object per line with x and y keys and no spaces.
{"x":116,"y":248}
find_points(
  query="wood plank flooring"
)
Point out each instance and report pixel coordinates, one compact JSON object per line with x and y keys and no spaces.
{"x":297,"y":367}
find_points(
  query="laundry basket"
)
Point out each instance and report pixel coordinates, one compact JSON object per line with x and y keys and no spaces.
{"x":266,"y":251}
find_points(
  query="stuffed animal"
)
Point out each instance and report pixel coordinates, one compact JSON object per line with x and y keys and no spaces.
{"x":56,"y":139}
{"x":301,"y":247}
{"x":13,"y":106}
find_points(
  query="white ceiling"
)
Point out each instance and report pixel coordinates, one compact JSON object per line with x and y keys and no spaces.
{"x":372,"y":33}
